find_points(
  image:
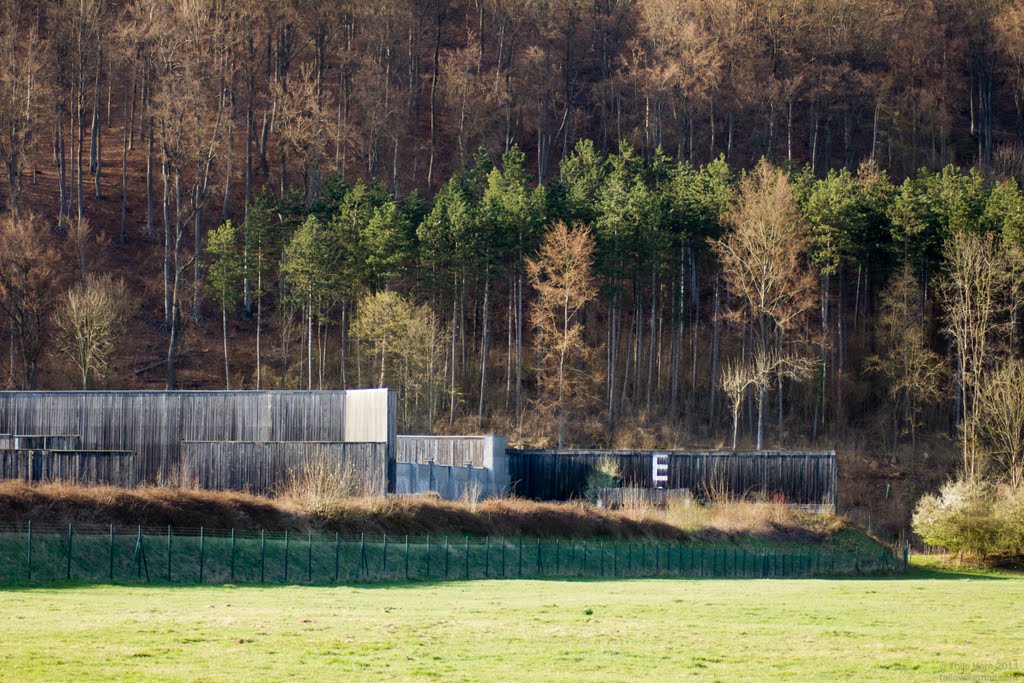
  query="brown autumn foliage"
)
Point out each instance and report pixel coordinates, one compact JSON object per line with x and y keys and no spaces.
{"x":563,"y":281}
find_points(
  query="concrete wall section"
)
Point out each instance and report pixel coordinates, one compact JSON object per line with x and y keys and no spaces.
{"x":451,"y":483}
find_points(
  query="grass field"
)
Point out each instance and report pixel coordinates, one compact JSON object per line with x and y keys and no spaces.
{"x":929,"y":624}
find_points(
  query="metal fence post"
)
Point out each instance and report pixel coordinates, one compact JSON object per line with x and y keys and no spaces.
{"x":111,"y":573}
{"x":385,"y":560}
{"x":407,"y":557}
{"x":364,"y":566}
{"x":71,"y":534}
{"x":263,"y":554}
{"x":487,"y":557}
{"x":337,"y":556}
{"x":29,"y":559}
{"x":428,"y":557}
{"x":286,"y":557}
{"x":503,"y":548}
{"x":540,"y":569}
{"x":467,"y":558}
{"x":446,"y":558}
{"x":202,"y":552}
{"x":556,"y":557}
{"x":232,"y":555}
{"x":309,"y":557}
{"x":168,"y":553}
{"x":520,"y":556}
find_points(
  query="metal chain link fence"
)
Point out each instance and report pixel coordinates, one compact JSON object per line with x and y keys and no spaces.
{"x":44,"y":555}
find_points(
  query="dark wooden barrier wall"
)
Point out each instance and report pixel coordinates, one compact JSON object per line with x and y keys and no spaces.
{"x":266,"y":467}
{"x":116,"y":468}
{"x":153,"y":424}
{"x":803,"y":478}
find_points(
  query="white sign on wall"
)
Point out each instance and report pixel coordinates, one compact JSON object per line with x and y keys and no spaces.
{"x":659,"y":469}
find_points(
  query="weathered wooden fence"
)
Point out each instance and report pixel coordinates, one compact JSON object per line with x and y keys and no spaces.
{"x":153,"y":424}
{"x":266,"y":467}
{"x":797,"y":477}
{"x":458,"y":451}
{"x":114,"y":468}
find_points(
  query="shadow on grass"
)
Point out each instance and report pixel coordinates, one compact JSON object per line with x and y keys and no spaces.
{"x":916,"y":573}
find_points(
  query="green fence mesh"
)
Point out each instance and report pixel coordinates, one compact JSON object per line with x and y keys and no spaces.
{"x":41,"y":555}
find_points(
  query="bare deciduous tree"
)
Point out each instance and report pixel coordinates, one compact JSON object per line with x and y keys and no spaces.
{"x":974,"y":295}
{"x":914,"y":371}
{"x":29,"y":274}
{"x":90,"y":321}
{"x":766,"y":368}
{"x":1000,"y":420}
{"x":764,"y":264}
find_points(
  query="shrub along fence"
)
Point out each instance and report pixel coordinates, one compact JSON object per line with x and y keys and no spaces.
{"x":37,"y":555}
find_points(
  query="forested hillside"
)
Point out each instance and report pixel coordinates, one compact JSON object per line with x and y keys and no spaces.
{"x":661,"y":222}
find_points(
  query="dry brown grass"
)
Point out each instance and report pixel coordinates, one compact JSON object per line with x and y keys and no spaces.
{"x":63,"y":503}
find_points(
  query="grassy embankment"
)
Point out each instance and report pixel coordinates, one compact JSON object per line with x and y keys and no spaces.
{"x":928,"y":624}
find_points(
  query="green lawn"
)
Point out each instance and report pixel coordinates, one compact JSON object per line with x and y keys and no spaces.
{"x":930,"y":624}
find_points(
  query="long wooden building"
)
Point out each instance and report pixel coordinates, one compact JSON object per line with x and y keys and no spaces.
{"x":155,"y":428}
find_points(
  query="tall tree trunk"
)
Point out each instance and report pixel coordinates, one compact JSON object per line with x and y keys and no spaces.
{"x":259,"y":330}
{"x":96,"y":153}
{"x":224,"y":329}
{"x":486,"y":314}
{"x":715,"y":345}
{"x":168,"y":247}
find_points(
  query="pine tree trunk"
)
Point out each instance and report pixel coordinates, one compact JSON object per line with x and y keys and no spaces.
{"x":224,"y":329}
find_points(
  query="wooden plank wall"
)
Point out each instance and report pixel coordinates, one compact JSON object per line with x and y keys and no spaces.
{"x":113,"y":468}
{"x":154,"y":423}
{"x":443,"y":450}
{"x":802,"y":478}
{"x":267,"y":467}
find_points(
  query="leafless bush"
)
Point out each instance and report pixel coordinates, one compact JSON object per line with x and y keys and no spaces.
{"x":319,"y":484}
